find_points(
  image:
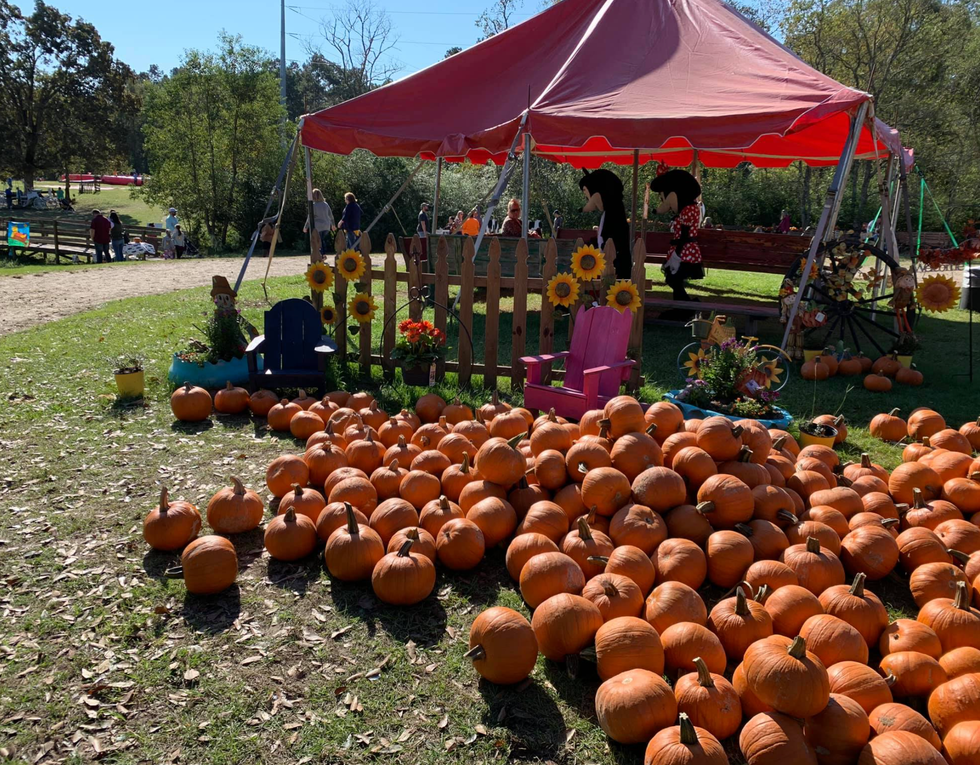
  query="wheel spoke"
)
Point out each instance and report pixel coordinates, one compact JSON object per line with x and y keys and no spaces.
{"x":858,"y":314}
{"x":857,"y":343}
{"x":874,"y":299}
{"x":868,"y":334}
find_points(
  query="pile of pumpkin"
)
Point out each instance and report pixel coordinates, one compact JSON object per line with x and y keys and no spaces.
{"x":878,"y":374}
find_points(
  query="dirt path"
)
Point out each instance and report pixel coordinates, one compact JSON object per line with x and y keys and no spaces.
{"x":25,"y":301}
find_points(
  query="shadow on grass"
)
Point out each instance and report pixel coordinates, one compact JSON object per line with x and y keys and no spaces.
{"x":213,"y":614}
{"x":296,"y":576}
{"x":249,"y":545}
{"x":482,"y":584}
{"x":423,"y":623}
{"x":191,"y":428}
{"x":537,"y":729}
{"x":156,"y":563}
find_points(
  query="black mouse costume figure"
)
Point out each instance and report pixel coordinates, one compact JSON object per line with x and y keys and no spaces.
{"x":679,"y":192}
{"x":604,"y":192}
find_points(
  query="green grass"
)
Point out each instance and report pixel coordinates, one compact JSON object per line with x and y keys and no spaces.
{"x":95,"y":643}
{"x":133,"y":210}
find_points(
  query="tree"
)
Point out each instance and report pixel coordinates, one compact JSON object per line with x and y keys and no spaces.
{"x":497,"y":17}
{"x":65,"y":99}
{"x":453,"y":51}
{"x":210,"y":128}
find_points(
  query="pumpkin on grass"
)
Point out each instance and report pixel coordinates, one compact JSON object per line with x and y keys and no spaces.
{"x":305,"y":501}
{"x":231,"y":399}
{"x":403,"y":578}
{"x":357,"y":490}
{"x":839,"y":732}
{"x":333,"y":516}
{"x":564,"y":624}
{"x":789,"y":679}
{"x":282,"y":414}
{"x":886,"y":718}
{"x":284,"y":472}
{"x":684,"y":744}
{"x":673,"y":602}
{"x":290,"y":536}
{"x":634,"y":705}
{"x":323,"y":459}
{"x":771,"y":738}
{"x":709,"y":700}
{"x":524,"y":547}
{"x":171,"y":525}
{"x":423,"y":543}
{"x":614,"y":596}
{"x":683,"y":642}
{"x":625,"y":643}
{"x":460,"y":544}
{"x":304,"y":424}
{"x":261,"y":402}
{"x":859,"y":682}
{"x":495,"y":517}
{"x":503,"y":647}
{"x":353,"y":550}
{"x":209,"y":565}
{"x":189,"y":403}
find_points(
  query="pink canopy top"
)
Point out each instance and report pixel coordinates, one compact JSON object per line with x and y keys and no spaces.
{"x":601,"y":78}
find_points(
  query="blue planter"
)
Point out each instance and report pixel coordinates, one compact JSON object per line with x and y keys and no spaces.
{"x":210,"y":375}
{"x":693,"y":412}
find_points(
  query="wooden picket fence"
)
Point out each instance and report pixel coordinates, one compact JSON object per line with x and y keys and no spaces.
{"x":397,"y":283}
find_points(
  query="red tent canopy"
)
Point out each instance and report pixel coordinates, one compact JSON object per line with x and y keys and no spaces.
{"x":601,"y":78}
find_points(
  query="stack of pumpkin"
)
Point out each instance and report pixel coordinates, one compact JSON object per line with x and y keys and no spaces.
{"x":621,"y":524}
{"x":878,"y":374}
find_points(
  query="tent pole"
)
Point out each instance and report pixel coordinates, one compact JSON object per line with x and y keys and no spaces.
{"x":831,"y":207}
{"x":282,"y":207}
{"x":316,"y":297}
{"x":395,"y":196}
{"x":904,"y":181}
{"x":435,"y":200}
{"x":526,"y":188}
{"x":887,"y":221}
{"x":636,"y":182}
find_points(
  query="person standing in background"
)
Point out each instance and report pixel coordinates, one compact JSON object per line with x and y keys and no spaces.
{"x":784,"y":222}
{"x":171,"y":222}
{"x":350,"y":220}
{"x":471,"y":226}
{"x":422,"y":229}
{"x":117,"y":235}
{"x":100,"y":230}
{"x":323,"y":220}
{"x":559,"y":221}
{"x":180,"y":241}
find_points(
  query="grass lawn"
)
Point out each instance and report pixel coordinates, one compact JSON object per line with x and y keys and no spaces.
{"x":103,"y":657}
{"x":132,"y":210}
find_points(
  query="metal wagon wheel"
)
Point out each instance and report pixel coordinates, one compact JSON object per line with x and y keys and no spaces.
{"x":851,"y":317}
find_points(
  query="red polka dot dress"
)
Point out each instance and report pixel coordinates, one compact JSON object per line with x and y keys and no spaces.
{"x":690,"y":253}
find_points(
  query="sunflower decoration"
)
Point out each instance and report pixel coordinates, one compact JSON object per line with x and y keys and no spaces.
{"x":588,"y":262}
{"x":319,"y":277}
{"x":696,"y":364}
{"x":937,"y":294}
{"x":772,"y":371}
{"x":563,"y":290}
{"x":362,"y":307}
{"x":350,"y":265}
{"x":623,"y":296}
{"x":328,"y":315}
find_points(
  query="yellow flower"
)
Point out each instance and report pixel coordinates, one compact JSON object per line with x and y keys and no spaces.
{"x":350,"y":265}
{"x":623,"y":296}
{"x":588,"y":262}
{"x":319,"y":277}
{"x":696,"y":364}
{"x":563,"y":290}
{"x":361,"y":307}
{"x":328,"y":315}
{"x":772,"y":371}
{"x":937,"y":294}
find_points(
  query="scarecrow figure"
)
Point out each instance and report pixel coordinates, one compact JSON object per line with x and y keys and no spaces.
{"x":224,"y":298}
{"x":604,"y":192}
{"x":903,"y":286}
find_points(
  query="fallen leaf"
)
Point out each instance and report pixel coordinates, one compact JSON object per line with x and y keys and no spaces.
{"x":191,"y":675}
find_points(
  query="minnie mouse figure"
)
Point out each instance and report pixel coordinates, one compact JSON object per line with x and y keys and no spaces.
{"x":679,"y":192}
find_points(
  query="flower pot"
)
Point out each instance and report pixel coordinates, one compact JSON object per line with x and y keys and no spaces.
{"x":416,"y":375}
{"x":212,"y":376}
{"x":809,"y":439}
{"x":905,"y":361}
{"x":130,"y":384}
{"x":693,"y":412}
{"x":811,"y":355}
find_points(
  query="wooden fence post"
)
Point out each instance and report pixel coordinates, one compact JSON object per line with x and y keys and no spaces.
{"x":491,"y":327}
{"x":635,"y":351}
{"x":414,"y":268}
{"x":340,"y":304}
{"x":57,"y":252}
{"x":366,"y":286}
{"x":465,"y":369}
{"x":441,"y":297}
{"x":547,"y":329}
{"x":391,"y":304}
{"x":519,"y":316}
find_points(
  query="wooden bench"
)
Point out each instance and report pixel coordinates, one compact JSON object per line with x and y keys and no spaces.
{"x":68,"y":238}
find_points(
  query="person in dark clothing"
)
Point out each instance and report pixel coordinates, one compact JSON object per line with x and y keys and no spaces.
{"x":679,"y":192}
{"x":100,"y":229}
{"x":117,"y":235}
{"x":423,"y":228}
{"x":350,"y":221}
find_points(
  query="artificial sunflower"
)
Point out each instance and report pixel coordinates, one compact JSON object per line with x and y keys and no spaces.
{"x":350,"y":265}
{"x":696,"y":364}
{"x":588,"y":262}
{"x":937,"y":294}
{"x":362,"y":307}
{"x":772,"y":371}
{"x":319,"y":277}
{"x":563,"y":290}
{"x":623,"y":296}
{"x":328,"y":315}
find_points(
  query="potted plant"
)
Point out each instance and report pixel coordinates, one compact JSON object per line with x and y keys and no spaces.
{"x":812,"y":433}
{"x":129,"y":377}
{"x":420,"y":346}
{"x":904,"y":347}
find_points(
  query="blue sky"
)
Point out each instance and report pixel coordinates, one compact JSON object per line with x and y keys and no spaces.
{"x":148,"y":32}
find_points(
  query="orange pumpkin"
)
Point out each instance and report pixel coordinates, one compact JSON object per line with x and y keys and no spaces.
{"x":524,"y":547}
{"x":833,"y":640}
{"x":171,"y":525}
{"x":789,"y":679}
{"x":495,"y":517}
{"x":870,"y":550}
{"x":387,"y":480}
{"x":262,"y":401}
{"x":503,"y":647}
{"x":455,"y":478}
{"x":726,"y":501}
{"x":564,"y":624}
{"x":857,"y":606}
{"x":893,"y":717}
{"x":419,"y":488}
{"x":423,"y":543}
{"x":545,"y":518}
{"x":658,"y":488}
{"x":908,"y":477}
{"x":954,"y":621}
{"x":391,"y":516}
{"x":720,"y":438}
{"x":190,"y":403}
{"x":925,"y":422}
{"x":685,"y":744}
{"x":403,"y":578}
{"x":209,"y":564}
{"x":671,"y":603}
{"x":709,"y":700}
{"x":955,"y":701}
{"x":285,"y":471}
{"x":964,"y":660}
{"x":625,"y":643}
{"x":282,"y":414}
{"x":859,"y":682}
{"x":333,"y":516}
{"x":739,"y":622}
{"x":460,"y":544}
{"x":436,"y":512}
{"x":683,"y":642}
{"x":888,"y":427}
{"x":605,"y":489}
{"x":290,"y":536}
{"x":353,"y":550}
{"x":909,"y":635}
{"x":632,"y":706}
{"x":322,"y":460}
{"x":728,"y":555}
{"x":231,"y":399}
{"x":914,"y":673}
{"x":305,"y":501}
{"x":680,"y":560}
{"x":359,"y":491}
{"x":634,"y":564}
{"x":500,"y":462}
{"x":816,"y":568}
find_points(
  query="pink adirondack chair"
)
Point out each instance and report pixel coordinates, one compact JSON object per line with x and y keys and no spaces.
{"x":595,"y":366}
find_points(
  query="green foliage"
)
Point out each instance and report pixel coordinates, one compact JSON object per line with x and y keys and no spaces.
{"x":224,"y":339}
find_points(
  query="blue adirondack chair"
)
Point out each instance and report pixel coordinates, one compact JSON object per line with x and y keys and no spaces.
{"x":294,"y":349}
{"x":595,"y":365}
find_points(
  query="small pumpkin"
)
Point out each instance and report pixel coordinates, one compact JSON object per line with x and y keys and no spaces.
{"x":282,"y":414}
{"x":583,"y":543}
{"x":639,"y":526}
{"x":455,"y":478}
{"x":494,"y":407}
{"x":387,"y":480}
{"x":886,"y":718}
{"x":816,"y":568}
{"x":789,"y":679}
{"x":888,"y":427}
{"x":908,"y":477}
{"x":685,"y":641}
{"x":709,"y":700}
{"x":909,"y":376}
{"x":684,"y":744}
{"x":886,"y":365}
{"x":726,"y":501}
{"x":919,"y":545}
{"x":954,"y":621}
{"x":500,"y":462}
{"x":625,"y":415}
{"x":606,"y":489}
{"x":353,"y":550}
{"x":955,"y":701}
{"x":632,"y":563}
{"x":635,"y":452}
{"x":925,"y":422}
{"x":392,"y":515}
{"x":728,"y":555}
{"x":495,"y":517}
{"x":739,"y":622}
{"x":430,"y":407}
{"x":833,"y":640}
{"x":625,"y":643}
{"x":658,"y":488}
{"x":284,"y":472}
{"x":460,"y":544}
{"x":671,"y":603}
{"x":305,"y":501}
{"x":290,"y":536}
{"x":304,"y":424}
{"x":910,"y":635}
{"x":546,"y":518}
{"x":814,"y":369}
{"x":962,"y":744}
{"x":916,"y":674}
{"x":680,"y":560}
{"x":323,"y":459}
{"x":333,"y":516}
{"x":770,"y":737}
{"x":935,"y":580}
{"x":189,"y":403}
{"x":261,"y":402}
{"x":614,"y":595}
{"x":403,"y":578}
{"x":858,"y":681}
{"x":839,"y":732}
{"x":503,"y":647}
{"x":547,"y":574}
{"x":720,"y":438}
{"x":209,"y":565}
{"x":171,"y":525}
{"x":231,"y":399}
{"x":871,"y":551}
{"x":357,"y":490}
{"x":423,"y":543}
{"x":419,"y":488}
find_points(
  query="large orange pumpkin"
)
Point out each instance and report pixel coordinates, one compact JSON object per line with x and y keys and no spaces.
{"x":886,"y":718}
{"x":833,"y":640}
{"x":290,"y":536}
{"x":771,"y":738}
{"x":503,"y":647}
{"x":171,"y":525}
{"x":209,"y":564}
{"x":605,"y":489}
{"x":190,"y":403}
{"x":954,"y":621}
{"x":282,"y":414}
{"x":625,"y":643}
{"x":392,"y":515}
{"x":403,"y":578}
{"x":789,"y":679}
{"x":915,"y":673}
{"x":333,"y":516}
{"x":659,"y":488}
{"x":726,"y":501}
{"x":899,"y":748}
{"x":680,"y":560}
{"x":790,"y":607}
{"x":500,"y":461}
{"x":859,"y":682}
{"x":720,"y":438}
{"x":284,"y":472}
{"x":305,"y":501}
{"x":910,"y":635}
{"x":739,"y":622}
{"x":684,"y":642}
{"x":816,"y":568}
{"x":709,"y":700}
{"x":955,"y":701}
{"x":564,"y":624}
{"x":857,"y":606}
{"x":460,"y":544}
{"x":353,"y":550}
{"x":634,"y":705}
{"x":839,"y":732}
{"x":671,"y":603}
{"x":962,"y":744}
{"x":614,"y":595}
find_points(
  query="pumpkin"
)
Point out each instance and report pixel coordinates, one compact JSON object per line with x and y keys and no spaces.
{"x":816,"y":568}
{"x":962,"y":536}
{"x":908,"y":477}
{"x":490,"y":410}
{"x":854,"y":470}
{"x":392,"y":515}
{"x":614,"y":595}
{"x":632,"y":563}
{"x":402,"y":451}
{"x":457,"y":412}
{"x":685,"y":641}
{"x":564,"y":624}
{"x":739,"y":622}
{"x":261,"y":402}
{"x":582,"y":543}
{"x":231,"y":400}
{"x":964,"y":493}
{"x":880,"y":503}
{"x":751,"y":705}
{"x":673,"y":444}
{"x":964,"y":660}
{"x":962,"y":744}
{"x":743,"y":468}
{"x":171,"y":525}
{"x":935,"y":580}
{"x":826,"y":516}
{"x":948,"y":464}
{"x":909,"y":635}
{"x":886,"y":365}
{"x":508,"y":425}
{"x":460,"y":544}
{"x":475,"y":432}
{"x":209,"y":565}
{"x":371,"y":415}
{"x":919,"y":545}
{"x":867,"y":484}
{"x":368,"y":455}
{"x":423,"y":543}
{"x":709,"y":700}
{"x":726,"y":501}
{"x":877,"y":382}
{"x":190,"y":403}
{"x":887,"y":718}
{"x":951,"y":440}
{"x":720,"y":438}
{"x":953,"y":702}
{"x":771,"y":573}
{"x":685,"y":522}
{"x":953,"y":620}
{"x":929,"y":514}
{"x":839,"y":732}
{"x":888,"y":427}
{"x":659,"y":488}
{"x":857,"y":606}
{"x":870,"y":550}
{"x":455,"y":447}
{"x":625,"y":415}
{"x":899,"y":748}
{"x":833,"y":640}
{"x":403,"y":578}
{"x":547,"y":574}
{"x":625,"y":643}
{"x":806,"y":482}
{"x":858,"y":681}
{"x":396,"y":431}
{"x":841,"y":498}
{"x":282,"y":414}
{"x":387,"y":479}
{"x":728,"y":555}
{"x":503,"y":647}
{"x":322,"y":460}
{"x":290,"y":536}
{"x":798,"y":534}
{"x":916,"y":674}
{"x":500,"y":462}
{"x":323,"y":409}
{"x":771,"y":738}
{"x":767,"y":539}
{"x":338,"y":476}
{"x":873,"y":519}
{"x":333,"y":516}
{"x":524,"y":547}
{"x":667,"y":417}
{"x":429,"y":436}
{"x":304,"y":424}
{"x":338,"y":397}
{"x":925,"y":422}
{"x":787,"y":678}
{"x":284,"y":472}
{"x":605,"y":489}
{"x":634,"y":705}
{"x":353,"y":550}
{"x":360,"y":492}
{"x":694,"y":465}
{"x":550,"y":470}
{"x":814,"y":369}
{"x":916,"y":451}
{"x":774,"y":504}
{"x":430,"y":407}
{"x":495,"y":517}
{"x":455,"y":478}
{"x":639,"y":526}
{"x":306,"y":502}
{"x":478,"y":490}
{"x":671,"y":603}
{"x":684,"y":744}
{"x":418,"y":488}
{"x":680,"y":560}
{"x":635,"y":452}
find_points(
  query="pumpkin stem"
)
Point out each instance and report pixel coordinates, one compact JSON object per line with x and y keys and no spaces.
{"x":401,"y":442}
{"x":960,"y":557}
{"x":174,"y":572}
{"x":551,"y":415}
{"x":476,"y":653}
{"x":889,"y":522}
{"x":406,"y":546}
{"x":786,"y":515}
{"x":857,"y":586}
{"x":890,"y":679}
{"x":289,"y":516}
{"x":351,"y":520}
{"x":688,"y":735}
{"x":812,"y":545}
{"x":464,"y":466}
{"x":393,"y":466}
{"x":598,"y":559}
{"x":975,"y":477}
{"x":918,"y":501}
{"x":443,"y":502}
{"x":590,"y":517}
{"x":843,"y":480}
{"x":227,"y":384}
{"x":187,"y":387}
{"x":297,"y":490}
{"x":604,"y":426}
{"x":744,"y":529}
{"x":777,"y":445}
{"x":512,"y":443}
{"x":797,"y":649}
{"x":584,"y":532}
{"x":745,"y":454}
{"x":763,"y":594}
{"x":737,"y":431}
{"x":902,"y":508}
{"x":894,"y":411}
{"x":706,"y":507}
{"x":368,"y":437}
{"x":164,"y":499}
{"x":741,"y":607}
{"x":865,"y":460}
{"x":424,"y":440}
{"x":838,"y":420}
{"x":651,"y":429}
{"x":704,"y":674}
{"x":495,"y":398}
{"x":962,"y":599}
{"x":582,"y":468}
{"x":926,"y":442}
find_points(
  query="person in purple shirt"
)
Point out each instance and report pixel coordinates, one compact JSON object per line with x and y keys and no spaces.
{"x":101,"y":236}
{"x":784,"y":223}
{"x":350,"y":221}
